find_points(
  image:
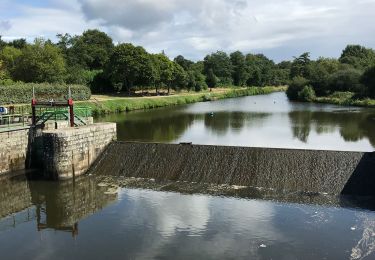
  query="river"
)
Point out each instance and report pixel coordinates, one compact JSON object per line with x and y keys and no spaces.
{"x":88,"y":218}
{"x":255,"y":121}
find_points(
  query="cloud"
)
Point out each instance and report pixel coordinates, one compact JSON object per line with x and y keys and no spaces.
{"x":280,"y":29}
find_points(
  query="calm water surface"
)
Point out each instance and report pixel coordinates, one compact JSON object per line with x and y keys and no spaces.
{"x":256,"y":121}
{"x":89,"y":219}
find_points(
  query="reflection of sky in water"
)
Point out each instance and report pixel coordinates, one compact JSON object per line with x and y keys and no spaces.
{"x":260,"y":121}
{"x":147,"y":225}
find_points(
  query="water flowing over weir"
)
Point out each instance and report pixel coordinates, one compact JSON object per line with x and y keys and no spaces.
{"x":332,"y":172}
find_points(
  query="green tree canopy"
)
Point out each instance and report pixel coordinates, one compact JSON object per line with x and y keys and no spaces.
{"x":358,"y":56}
{"x":211,"y":79}
{"x":368,"y":79}
{"x":40,"y":62}
{"x":129,"y":65}
{"x":300,"y":65}
{"x":184,"y":63}
{"x":220,"y":65}
{"x":91,"y":50}
{"x":10,"y":56}
{"x":240,"y":71}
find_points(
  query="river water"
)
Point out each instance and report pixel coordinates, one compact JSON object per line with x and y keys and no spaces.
{"x":255,"y":121}
{"x":94,"y":218}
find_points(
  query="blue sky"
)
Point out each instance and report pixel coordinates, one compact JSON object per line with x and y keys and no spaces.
{"x":193,"y":28}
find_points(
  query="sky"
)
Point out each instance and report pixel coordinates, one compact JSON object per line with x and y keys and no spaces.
{"x":280,"y":29}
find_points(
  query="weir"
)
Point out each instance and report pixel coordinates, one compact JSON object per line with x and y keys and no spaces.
{"x":331,"y":172}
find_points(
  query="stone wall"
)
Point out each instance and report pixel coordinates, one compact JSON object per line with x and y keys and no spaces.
{"x":13,"y":150}
{"x":70,"y":152}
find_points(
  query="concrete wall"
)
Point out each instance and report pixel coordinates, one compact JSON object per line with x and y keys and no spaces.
{"x":13,"y":150}
{"x":70,"y":152}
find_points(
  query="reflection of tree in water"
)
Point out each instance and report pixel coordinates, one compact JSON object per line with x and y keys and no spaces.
{"x":301,"y":124}
{"x":353,"y":126}
{"x":221,"y":122}
{"x":154,"y":127}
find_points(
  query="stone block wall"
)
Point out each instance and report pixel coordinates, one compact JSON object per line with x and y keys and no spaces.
{"x":13,"y":150}
{"x":70,"y":152}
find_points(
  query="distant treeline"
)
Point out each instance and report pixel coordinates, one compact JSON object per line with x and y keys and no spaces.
{"x":93,"y":59}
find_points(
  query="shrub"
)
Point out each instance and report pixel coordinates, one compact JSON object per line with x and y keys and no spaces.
{"x":346,"y":80}
{"x":306,"y":94}
{"x":23,"y":92}
{"x":368,"y":79}
{"x":296,"y":85}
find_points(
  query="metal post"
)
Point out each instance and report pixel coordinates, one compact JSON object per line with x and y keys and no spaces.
{"x":71,"y":112}
{"x":33,"y":119}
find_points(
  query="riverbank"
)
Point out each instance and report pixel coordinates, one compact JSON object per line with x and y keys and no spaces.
{"x":111,"y":104}
{"x":345,"y":99}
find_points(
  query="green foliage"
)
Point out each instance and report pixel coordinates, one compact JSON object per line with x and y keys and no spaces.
{"x":346,"y":80}
{"x":40,"y":62}
{"x":211,"y":79}
{"x":240,"y":72}
{"x":300,"y":65}
{"x":180,"y":77}
{"x":184,"y":63}
{"x":129,"y":65}
{"x":91,"y":50}
{"x":221,"y":66}
{"x":368,"y":80}
{"x":260,"y":69}
{"x":80,"y":76}
{"x":10,"y":56}
{"x":358,"y":56}
{"x":3,"y":72}
{"x":306,"y":94}
{"x":296,"y":86}
{"x":129,"y":104}
{"x":23,"y":92}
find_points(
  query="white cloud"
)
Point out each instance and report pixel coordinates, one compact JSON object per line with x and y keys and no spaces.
{"x":194,"y":28}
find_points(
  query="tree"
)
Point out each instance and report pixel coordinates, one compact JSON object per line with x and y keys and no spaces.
{"x":220,"y":65}
{"x":3,"y":72}
{"x":179,"y":78}
{"x":18,"y":43}
{"x":299,"y":65}
{"x":296,"y":86}
{"x":166,"y":67}
{"x":346,"y":80}
{"x":91,"y":50}
{"x":40,"y":62}
{"x":368,"y":79}
{"x":129,"y":65}
{"x":2,"y":43}
{"x":358,"y":56}
{"x":260,"y":70}
{"x":184,"y":63}
{"x":10,"y":56}
{"x":211,"y":79}
{"x":240,"y":72}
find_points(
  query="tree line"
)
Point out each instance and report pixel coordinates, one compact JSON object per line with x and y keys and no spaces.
{"x":93,"y":59}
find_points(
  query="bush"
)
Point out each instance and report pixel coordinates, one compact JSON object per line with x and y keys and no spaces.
{"x":368,"y":79}
{"x":296,"y":85}
{"x":306,"y":94}
{"x":23,"y":92}
{"x":346,"y":80}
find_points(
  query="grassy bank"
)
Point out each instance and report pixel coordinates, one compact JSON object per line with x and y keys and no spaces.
{"x":120,"y":104}
{"x":345,"y":99}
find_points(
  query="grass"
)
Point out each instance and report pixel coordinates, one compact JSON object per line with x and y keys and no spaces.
{"x":113,"y":104}
{"x":345,"y":99}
